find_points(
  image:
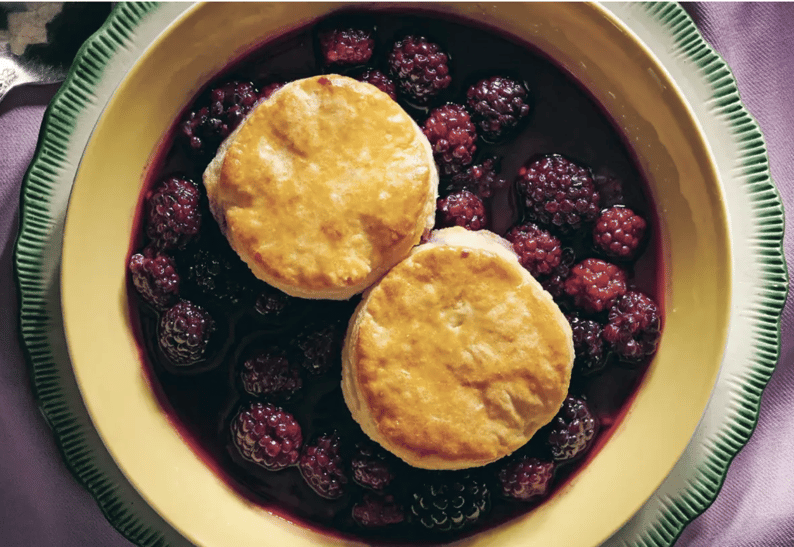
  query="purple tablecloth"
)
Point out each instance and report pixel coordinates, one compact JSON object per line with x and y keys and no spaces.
{"x":41,"y":504}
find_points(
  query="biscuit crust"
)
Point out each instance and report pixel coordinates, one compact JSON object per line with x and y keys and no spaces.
{"x":324,"y":187}
{"x":457,"y":356}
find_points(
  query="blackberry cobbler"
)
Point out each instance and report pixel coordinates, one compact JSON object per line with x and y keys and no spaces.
{"x":252,"y":375}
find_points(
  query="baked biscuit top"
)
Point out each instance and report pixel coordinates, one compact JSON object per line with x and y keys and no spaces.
{"x":326,"y":185}
{"x":458,"y":355}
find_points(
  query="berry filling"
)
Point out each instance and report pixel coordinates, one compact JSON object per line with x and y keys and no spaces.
{"x":322,"y":466}
{"x":499,"y":104}
{"x":594,"y":285}
{"x":249,"y":372}
{"x":173,"y":217}
{"x":634,"y":327}
{"x":538,"y":251}
{"x":347,"y":46}
{"x":452,"y":135}
{"x":154,"y":277}
{"x":461,"y":209}
{"x":420,"y":67}
{"x":526,"y":479}
{"x":444,"y":504}
{"x":267,"y":435}
{"x":215,"y":117}
{"x":558,"y":192}
{"x":184,"y":333}
{"x":380,"y":80}
{"x":269,"y":373}
{"x":572,"y":430}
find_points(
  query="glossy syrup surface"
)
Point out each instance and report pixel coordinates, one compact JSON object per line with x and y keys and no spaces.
{"x":201,"y":402}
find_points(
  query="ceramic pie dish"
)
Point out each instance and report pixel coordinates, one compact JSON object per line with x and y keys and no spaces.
{"x":640,"y":74}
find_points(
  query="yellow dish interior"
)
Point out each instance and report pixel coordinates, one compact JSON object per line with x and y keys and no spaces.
{"x":583,"y":39}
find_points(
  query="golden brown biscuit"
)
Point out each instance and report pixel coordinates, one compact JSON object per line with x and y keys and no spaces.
{"x":457,"y":356}
{"x":324,"y":187}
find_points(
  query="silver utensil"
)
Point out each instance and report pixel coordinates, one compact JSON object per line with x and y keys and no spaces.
{"x":14,"y":71}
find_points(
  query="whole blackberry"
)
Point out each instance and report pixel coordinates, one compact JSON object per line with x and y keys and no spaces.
{"x":173,"y":217}
{"x":461,"y":209}
{"x":481,"y":179}
{"x":595,"y":285}
{"x":184,"y":333}
{"x":619,"y":232}
{"x":538,"y":251}
{"x":270,"y":373}
{"x":271,"y":303}
{"x":269,"y":89}
{"x":420,"y":67}
{"x":634,"y":327}
{"x":267,"y":435}
{"x":322,"y":467}
{"x":215,"y":272}
{"x":450,"y":501}
{"x":319,"y":347}
{"x":155,"y":277}
{"x":377,"y":78}
{"x":371,"y":466}
{"x":452,"y":136}
{"x":346,"y":46}
{"x":557,"y":192}
{"x":572,"y":430}
{"x":375,"y":511}
{"x":525,"y":479}
{"x":498,"y":105}
{"x":555,"y":283}
{"x":588,"y":345}
{"x":216,"y":115}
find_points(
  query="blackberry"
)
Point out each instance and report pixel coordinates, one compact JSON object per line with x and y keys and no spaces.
{"x":346,"y":46}
{"x":270,"y":373}
{"x":319,"y":347}
{"x":555,"y":283}
{"x":271,"y":303}
{"x":461,"y":209}
{"x":374,"y":511}
{"x":372,"y":467}
{"x":588,"y":345}
{"x":420,"y":67}
{"x":452,"y":136}
{"x":482,"y":179}
{"x":217,"y":115}
{"x":526,"y":479}
{"x":450,"y":501}
{"x":380,"y":80}
{"x":538,"y":251}
{"x":595,"y":285}
{"x":155,"y":277}
{"x":215,"y":271}
{"x":267,"y":435}
{"x":322,"y":468}
{"x":634,"y":327}
{"x":557,"y":192}
{"x":572,"y":430}
{"x":184,"y":333}
{"x":618,"y":232}
{"x":498,"y":105}
{"x":173,"y":216}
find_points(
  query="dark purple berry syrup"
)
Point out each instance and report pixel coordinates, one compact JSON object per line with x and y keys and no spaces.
{"x":201,"y":400}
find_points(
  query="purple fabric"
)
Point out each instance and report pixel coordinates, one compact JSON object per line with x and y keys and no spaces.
{"x":41,"y":504}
